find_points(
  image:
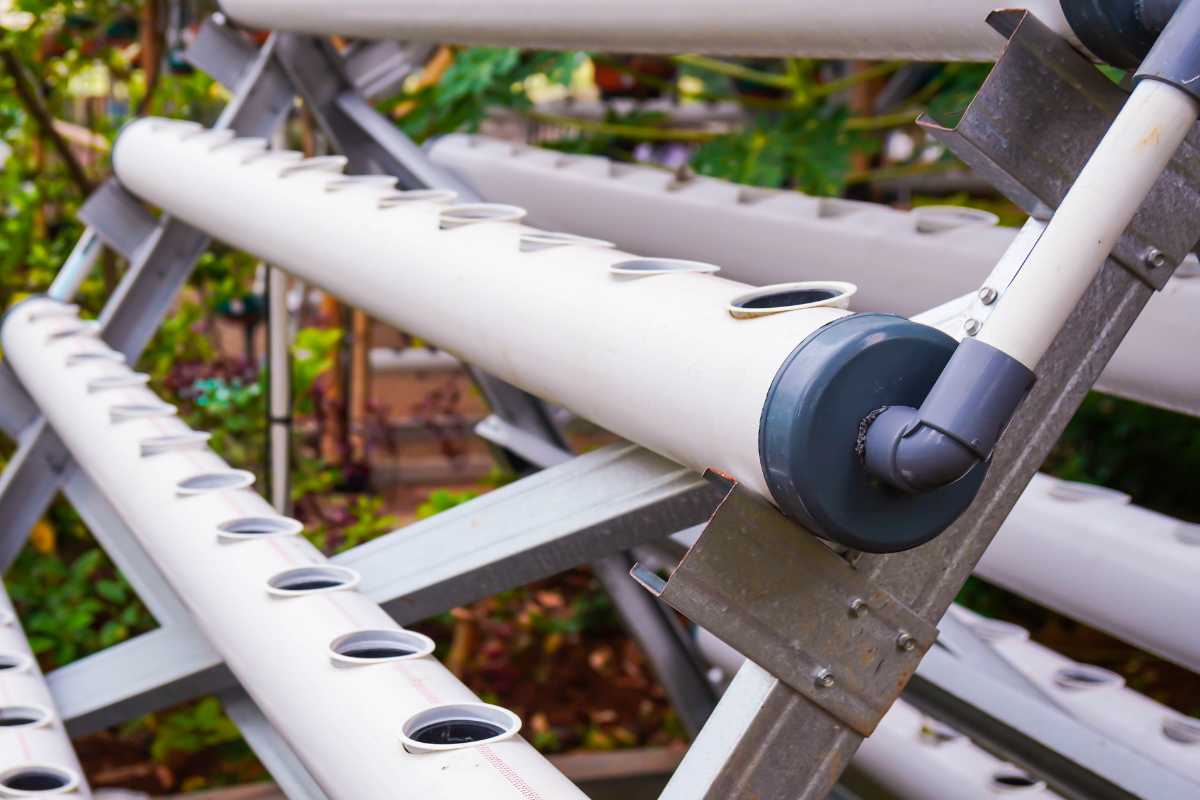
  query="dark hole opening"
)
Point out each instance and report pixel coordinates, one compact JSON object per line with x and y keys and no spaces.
{"x":785,"y":299}
{"x":1015,"y":781}
{"x":456,"y":731}
{"x":311,"y":585}
{"x":16,"y":721}
{"x":36,"y":780}
{"x":9,"y":662}
{"x":378,"y":651}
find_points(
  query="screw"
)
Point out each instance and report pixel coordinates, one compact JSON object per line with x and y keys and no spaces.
{"x":858,"y":607}
{"x":988,"y":295}
{"x":972,"y":326}
{"x":1154,"y":258}
{"x":905,"y":642}
{"x":824,"y":679}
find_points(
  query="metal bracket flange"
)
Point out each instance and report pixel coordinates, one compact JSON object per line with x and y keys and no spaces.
{"x":1043,"y":92}
{"x":795,"y":607}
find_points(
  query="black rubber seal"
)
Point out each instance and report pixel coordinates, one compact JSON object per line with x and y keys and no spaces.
{"x":829,"y":384}
{"x":1115,"y":31}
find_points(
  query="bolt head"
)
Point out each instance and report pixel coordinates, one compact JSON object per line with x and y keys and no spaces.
{"x":906,"y":643}
{"x":824,"y":679}
{"x":1155,"y":258}
{"x":972,"y":326}
{"x":988,"y":295}
{"x":858,"y":607}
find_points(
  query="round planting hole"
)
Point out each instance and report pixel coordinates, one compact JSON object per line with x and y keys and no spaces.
{"x":535,"y":242}
{"x":993,"y":630}
{"x":451,"y":727}
{"x":307,"y":580}
{"x":191,"y":440}
{"x":318,"y":164}
{"x":256,"y":527}
{"x":78,"y":328}
{"x":42,"y":312}
{"x":784,"y":297}
{"x":22,"y":716}
{"x":94,"y":357}
{"x":938,"y":733}
{"x":1016,"y":782}
{"x":935,"y":219}
{"x":1085,"y":676}
{"x":10,"y":662}
{"x":660,"y":266}
{"x":1075,"y":492}
{"x":1183,"y":730}
{"x":376,"y":646}
{"x":440,"y":197}
{"x":273,"y":157}
{"x":361,"y":182}
{"x":474,"y":213}
{"x":128,"y":411}
{"x":34,"y":780}
{"x":118,"y":380}
{"x":223,"y":481}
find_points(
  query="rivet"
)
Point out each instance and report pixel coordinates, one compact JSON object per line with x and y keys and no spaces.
{"x":988,"y":295}
{"x":972,"y":326}
{"x":858,"y":607}
{"x":824,"y":679}
{"x":1154,"y":258}
{"x":906,"y":643}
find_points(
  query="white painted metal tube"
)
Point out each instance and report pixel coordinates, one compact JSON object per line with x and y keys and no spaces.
{"x":914,"y":757}
{"x":1086,"y":552}
{"x":760,"y":236}
{"x":75,"y":269}
{"x":1099,"y":698}
{"x":1085,"y":228}
{"x":658,"y":359}
{"x":268,"y":601}
{"x":927,"y":30}
{"x":36,"y":757}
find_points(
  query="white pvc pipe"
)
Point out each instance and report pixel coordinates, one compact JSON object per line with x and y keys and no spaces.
{"x":1085,"y":228}
{"x":764,"y":236}
{"x":1099,"y":698}
{"x":35,"y":750}
{"x":926,"y":30}
{"x":268,"y":601}
{"x":1086,"y":552}
{"x":657,"y":359}
{"x":914,"y":757}
{"x":279,"y":377}
{"x":76,"y":268}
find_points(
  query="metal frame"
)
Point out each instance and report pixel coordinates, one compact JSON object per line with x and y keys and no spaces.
{"x":767,"y":737}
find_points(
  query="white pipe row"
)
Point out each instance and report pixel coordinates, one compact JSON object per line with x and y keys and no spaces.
{"x":1098,"y":698}
{"x":360,"y":700}
{"x":36,"y":757}
{"x":660,"y":352}
{"x":904,"y":262}
{"x":923,"y":30}
{"x":1086,"y":552}
{"x":914,"y":757}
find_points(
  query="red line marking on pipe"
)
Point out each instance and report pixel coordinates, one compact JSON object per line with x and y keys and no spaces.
{"x":24,"y":746}
{"x":508,"y":773}
{"x":419,"y":685}
{"x":283,"y":553}
{"x":332,"y":598}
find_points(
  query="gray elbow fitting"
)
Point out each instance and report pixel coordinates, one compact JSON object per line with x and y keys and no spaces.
{"x":920,"y":449}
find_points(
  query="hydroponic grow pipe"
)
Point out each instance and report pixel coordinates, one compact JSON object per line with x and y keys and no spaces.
{"x":902,"y":261}
{"x":913,"y":757}
{"x":36,"y":757}
{"x":768,"y":385}
{"x":366,"y":708}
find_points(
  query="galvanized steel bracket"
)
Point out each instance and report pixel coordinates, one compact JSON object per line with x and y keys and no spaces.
{"x":1033,"y":126}
{"x":795,"y":607}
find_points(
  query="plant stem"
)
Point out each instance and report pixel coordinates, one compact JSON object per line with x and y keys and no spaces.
{"x":736,"y":71}
{"x":645,"y":132}
{"x":870,"y":73}
{"x":895,"y":120}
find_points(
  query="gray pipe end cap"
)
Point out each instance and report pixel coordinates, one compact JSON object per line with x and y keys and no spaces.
{"x":810,"y":426}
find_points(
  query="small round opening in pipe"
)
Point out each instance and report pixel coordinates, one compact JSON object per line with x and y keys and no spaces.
{"x":317,"y":164}
{"x":117,"y":380}
{"x":79,"y":328}
{"x":938,"y":733}
{"x":784,"y":297}
{"x":13,"y":662}
{"x":1183,"y":730}
{"x":439,"y":197}
{"x":35,"y":780}
{"x":23,"y":716}
{"x":452,"y":727}
{"x":258,"y":527}
{"x":253,"y":144}
{"x":475,"y":213}
{"x":1075,"y":492}
{"x":215,"y":140}
{"x":936,"y":219}
{"x":542,"y":240}
{"x":171,"y":442}
{"x":54,"y":312}
{"x":222,"y":481}
{"x":7,"y":618}
{"x":95,"y":357}
{"x":993,"y":630}
{"x":1079,"y":677}
{"x":311,"y":580}
{"x":129,"y":411}
{"x":660,"y":266}
{"x":361,"y":182}
{"x":1014,"y":782}
{"x":273,"y":157}
{"x":379,"y":646}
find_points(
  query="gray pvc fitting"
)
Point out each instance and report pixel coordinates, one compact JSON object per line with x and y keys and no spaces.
{"x":1175,"y":56}
{"x":955,"y":428}
{"x":1119,"y":32}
